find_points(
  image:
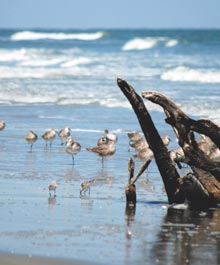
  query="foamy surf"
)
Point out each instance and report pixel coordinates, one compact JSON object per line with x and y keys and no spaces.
{"x":186,"y":74}
{"x":139,"y":44}
{"x":31,"y":35}
{"x":148,"y":43}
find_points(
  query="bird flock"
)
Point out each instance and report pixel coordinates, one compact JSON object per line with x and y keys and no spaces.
{"x":105,"y":147}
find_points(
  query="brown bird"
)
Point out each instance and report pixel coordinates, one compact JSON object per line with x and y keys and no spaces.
{"x":102,"y":140}
{"x":104,"y":150}
{"x":49,"y":136}
{"x":2,"y":125}
{"x":31,"y":138}
{"x":134,"y":136}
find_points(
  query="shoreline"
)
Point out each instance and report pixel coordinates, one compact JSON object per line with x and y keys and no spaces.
{"x":21,"y":259}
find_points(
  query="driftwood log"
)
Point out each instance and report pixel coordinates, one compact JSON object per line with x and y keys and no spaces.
{"x":201,"y":187}
{"x":167,"y":170}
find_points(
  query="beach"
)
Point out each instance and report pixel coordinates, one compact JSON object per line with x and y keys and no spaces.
{"x":51,"y":82}
{"x":12,"y":259}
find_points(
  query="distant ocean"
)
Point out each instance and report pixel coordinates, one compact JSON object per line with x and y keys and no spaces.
{"x":69,"y":67}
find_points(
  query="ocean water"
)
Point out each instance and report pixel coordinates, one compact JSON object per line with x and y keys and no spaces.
{"x":54,"y":78}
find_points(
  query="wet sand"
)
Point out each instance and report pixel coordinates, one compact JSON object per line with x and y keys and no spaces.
{"x":97,"y":227}
{"x":13,"y":259}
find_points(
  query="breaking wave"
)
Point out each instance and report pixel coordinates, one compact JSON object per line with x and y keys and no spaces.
{"x":31,"y":35}
{"x":186,"y":74}
{"x":148,"y":43}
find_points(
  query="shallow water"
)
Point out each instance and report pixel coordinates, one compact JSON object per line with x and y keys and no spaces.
{"x":97,"y":226}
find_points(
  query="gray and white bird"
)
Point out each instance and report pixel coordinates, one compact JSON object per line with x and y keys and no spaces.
{"x":72,"y":147}
{"x":64,"y":134}
{"x":52,"y":188}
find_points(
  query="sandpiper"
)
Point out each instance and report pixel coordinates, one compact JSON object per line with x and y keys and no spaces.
{"x":2,"y":125}
{"x":52,"y":187}
{"x":64,"y":134}
{"x":102,"y":140}
{"x":134,"y":136}
{"x":146,"y":153}
{"x":139,"y":144}
{"x":111,"y":136}
{"x":49,"y":136}
{"x":86,"y":185}
{"x":31,"y":138}
{"x":72,"y":147}
{"x":104,"y":150}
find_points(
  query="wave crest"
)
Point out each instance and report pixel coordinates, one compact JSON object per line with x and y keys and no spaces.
{"x":148,"y":43}
{"x":186,"y":74}
{"x":31,"y":35}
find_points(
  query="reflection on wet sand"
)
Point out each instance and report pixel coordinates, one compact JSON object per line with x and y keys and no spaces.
{"x":188,"y":237}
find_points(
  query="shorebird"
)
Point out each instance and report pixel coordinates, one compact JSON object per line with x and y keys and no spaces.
{"x":52,"y":187}
{"x":102,"y":140}
{"x":64,"y":134}
{"x":72,"y":147}
{"x":134,"y":136}
{"x":86,"y":185}
{"x":104,"y":150}
{"x":49,"y":136}
{"x":2,"y":125}
{"x":177,"y":156}
{"x":139,"y":144}
{"x":111,"y":136}
{"x":146,"y":153}
{"x":31,"y":138}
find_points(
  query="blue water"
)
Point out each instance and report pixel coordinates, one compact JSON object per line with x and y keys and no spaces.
{"x":54,"y":78}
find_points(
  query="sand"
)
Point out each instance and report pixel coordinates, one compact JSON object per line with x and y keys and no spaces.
{"x":13,"y":259}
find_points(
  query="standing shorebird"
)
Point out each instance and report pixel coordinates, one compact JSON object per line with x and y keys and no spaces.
{"x":104,"y":150}
{"x":31,"y":138}
{"x":2,"y":125}
{"x":52,"y":187}
{"x":72,"y":147}
{"x":64,"y":134}
{"x":49,"y":136}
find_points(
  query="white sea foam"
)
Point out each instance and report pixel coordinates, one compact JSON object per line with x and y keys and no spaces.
{"x":148,"y":43}
{"x":171,"y":43}
{"x":140,"y":44}
{"x":31,"y":35}
{"x":77,"y":61}
{"x":12,"y":55}
{"x":42,"y":62}
{"x":186,"y":74}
